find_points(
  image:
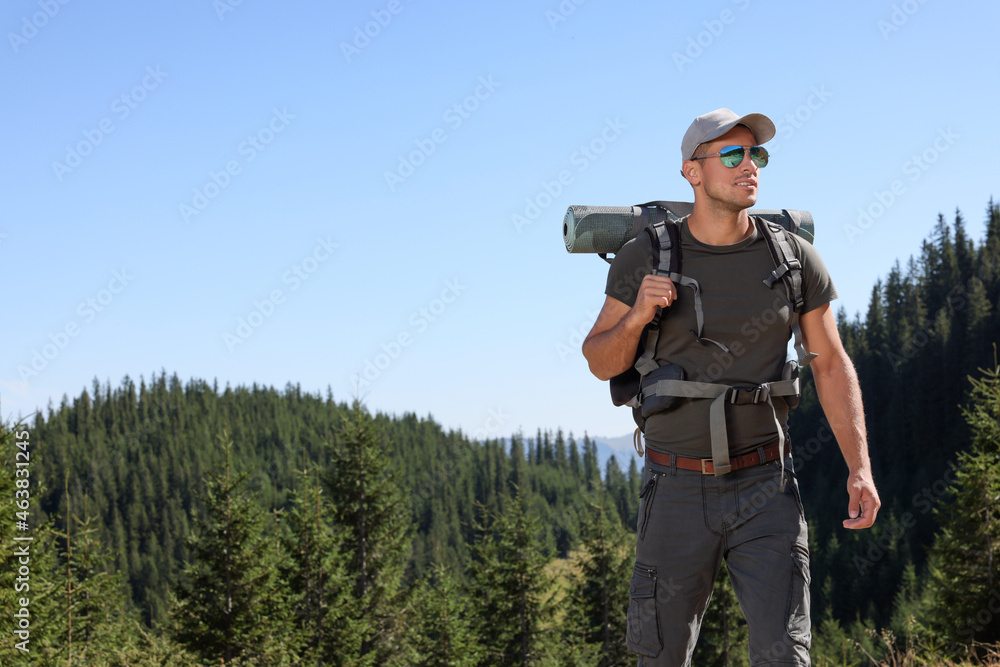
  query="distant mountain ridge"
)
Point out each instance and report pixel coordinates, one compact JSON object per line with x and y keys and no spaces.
{"x":621,"y":447}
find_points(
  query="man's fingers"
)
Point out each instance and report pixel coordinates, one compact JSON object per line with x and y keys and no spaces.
{"x":854,"y":503}
{"x":651,"y":280}
{"x":862,"y":508}
{"x":659,"y":286}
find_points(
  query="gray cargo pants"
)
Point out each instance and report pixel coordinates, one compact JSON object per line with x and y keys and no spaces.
{"x":687,"y":523}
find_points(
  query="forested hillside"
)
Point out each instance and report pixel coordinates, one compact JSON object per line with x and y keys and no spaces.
{"x":180,"y":522}
{"x":929,"y":327}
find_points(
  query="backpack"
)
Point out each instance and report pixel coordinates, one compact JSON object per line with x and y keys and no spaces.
{"x":649,"y":388}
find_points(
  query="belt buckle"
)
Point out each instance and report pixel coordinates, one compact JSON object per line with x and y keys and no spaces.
{"x":703,"y":463}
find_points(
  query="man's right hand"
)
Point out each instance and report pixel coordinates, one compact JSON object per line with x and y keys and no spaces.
{"x":654,"y":292}
{"x":610,"y":346}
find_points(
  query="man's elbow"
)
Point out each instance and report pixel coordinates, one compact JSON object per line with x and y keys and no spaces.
{"x":588,"y":354}
{"x":597,"y":365}
{"x":833,"y":364}
{"x":600,"y":373}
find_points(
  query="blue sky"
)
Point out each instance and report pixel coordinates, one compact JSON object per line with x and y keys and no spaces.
{"x":369,"y":195}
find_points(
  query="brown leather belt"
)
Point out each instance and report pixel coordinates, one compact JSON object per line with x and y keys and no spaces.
{"x":705,"y":467}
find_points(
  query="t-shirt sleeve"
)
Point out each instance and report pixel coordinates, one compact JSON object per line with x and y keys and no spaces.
{"x":817,"y":285}
{"x":631,"y":264}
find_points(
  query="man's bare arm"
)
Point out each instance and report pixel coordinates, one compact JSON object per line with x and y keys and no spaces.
{"x":611,"y":344}
{"x":840,"y":395}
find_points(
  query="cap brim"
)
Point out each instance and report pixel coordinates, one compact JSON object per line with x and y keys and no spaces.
{"x":761,"y":126}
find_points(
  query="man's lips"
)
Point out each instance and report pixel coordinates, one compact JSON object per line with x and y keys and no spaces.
{"x":747,"y":183}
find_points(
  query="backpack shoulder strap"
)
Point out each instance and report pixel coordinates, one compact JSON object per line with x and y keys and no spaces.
{"x":665,"y":239}
{"x":788,"y":269}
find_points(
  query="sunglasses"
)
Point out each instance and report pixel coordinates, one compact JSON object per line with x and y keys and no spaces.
{"x":731,"y":156}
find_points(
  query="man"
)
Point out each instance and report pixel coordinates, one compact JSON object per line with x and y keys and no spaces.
{"x":690,"y":517}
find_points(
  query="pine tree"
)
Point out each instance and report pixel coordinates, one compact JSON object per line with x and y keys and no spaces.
{"x":979,"y":312}
{"x":602,"y":592}
{"x":231,"y":605}
{"x":509,"y":583}
{"x":370,"y":508}
{"x":315,"y":573}
{"x":618,"y":488}
{"x":964,"y":250}
{"x":965,"y":557}
{"x":442,"y":633}
{"x":560,"y":450}
{"x":96,"y":618}
{"x":47,"y":596}
{"x":989,"y":255}
{"x":591,"y":469}
{"x":574,"y":458}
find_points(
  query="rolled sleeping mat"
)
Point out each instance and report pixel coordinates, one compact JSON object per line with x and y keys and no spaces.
{"x":605,"y":229}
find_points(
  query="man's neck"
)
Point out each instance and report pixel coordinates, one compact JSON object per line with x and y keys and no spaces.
{"x":714,"y":227}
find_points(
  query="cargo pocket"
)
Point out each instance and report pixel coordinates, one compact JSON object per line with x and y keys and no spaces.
{"x":643,"y":635}
{"x":798,"y":597}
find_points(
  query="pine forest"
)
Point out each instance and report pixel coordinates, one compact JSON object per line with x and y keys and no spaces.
{"x":179,"y":522}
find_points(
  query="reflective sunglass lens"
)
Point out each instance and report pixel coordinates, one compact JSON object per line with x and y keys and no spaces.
{"x":731,"y":155}
{"x":759,"y":156}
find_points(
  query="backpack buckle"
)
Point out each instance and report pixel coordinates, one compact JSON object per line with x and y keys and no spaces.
{"x":749,"y":395}
{"x":787,"y":266}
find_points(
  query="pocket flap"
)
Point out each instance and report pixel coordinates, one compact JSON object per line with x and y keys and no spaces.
{"x":643,"y":584}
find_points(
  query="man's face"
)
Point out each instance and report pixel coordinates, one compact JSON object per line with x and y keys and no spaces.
{"x":729,"y":188}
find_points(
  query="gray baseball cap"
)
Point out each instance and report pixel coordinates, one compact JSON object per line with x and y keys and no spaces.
{"x":716,"y":123}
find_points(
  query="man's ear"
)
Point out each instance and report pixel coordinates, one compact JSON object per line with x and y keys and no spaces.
{"x":691,"y":172}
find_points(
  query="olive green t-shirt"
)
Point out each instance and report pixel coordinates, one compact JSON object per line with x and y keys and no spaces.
{"x":742,"y":313}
